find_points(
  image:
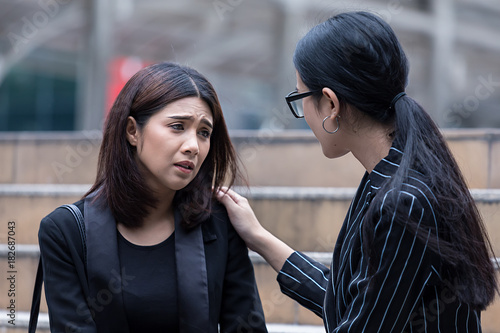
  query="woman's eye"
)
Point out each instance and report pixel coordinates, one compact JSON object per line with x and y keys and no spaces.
{"x":177,"y":127}
{"x":205,"y":133}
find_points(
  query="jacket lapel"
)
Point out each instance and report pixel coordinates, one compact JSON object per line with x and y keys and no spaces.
{"x":106,"y":280}
{"x":103,"y":267}
{"x":192,"y":283}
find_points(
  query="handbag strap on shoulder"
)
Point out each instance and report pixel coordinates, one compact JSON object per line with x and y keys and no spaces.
{"x":77,"y":214}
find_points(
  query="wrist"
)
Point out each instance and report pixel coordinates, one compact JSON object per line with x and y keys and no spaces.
{"x":258,"y":240}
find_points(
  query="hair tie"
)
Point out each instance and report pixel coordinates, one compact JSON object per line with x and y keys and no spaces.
{"x":395,"y":99}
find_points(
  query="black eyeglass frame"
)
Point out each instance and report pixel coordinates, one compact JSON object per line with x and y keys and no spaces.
{"x":293,"y":96}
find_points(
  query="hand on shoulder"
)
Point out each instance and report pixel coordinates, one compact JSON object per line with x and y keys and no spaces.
{"x":241,"y":215}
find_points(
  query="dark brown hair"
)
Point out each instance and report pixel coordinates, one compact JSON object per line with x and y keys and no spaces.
{"x":119,"y":182}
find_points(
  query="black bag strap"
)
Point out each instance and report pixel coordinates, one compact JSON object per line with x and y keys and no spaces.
{"x":77,"y":214}
{"x":35,"y":302}
{"x":37,"y":292}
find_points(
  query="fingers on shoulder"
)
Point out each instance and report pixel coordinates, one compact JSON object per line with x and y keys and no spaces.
{"x":228,"y":194}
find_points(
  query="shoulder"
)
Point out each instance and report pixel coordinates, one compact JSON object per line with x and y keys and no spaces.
{"x":413,"y":200}
{"x":218,"y":222}
{"x":61,"y":215}
{"x":60,"y":221}
{"x":417,"y":188}
{"x":414,"y":189}
{"x":219,"y":213}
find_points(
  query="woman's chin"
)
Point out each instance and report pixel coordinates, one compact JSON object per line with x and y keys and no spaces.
{"x":332,"y":153}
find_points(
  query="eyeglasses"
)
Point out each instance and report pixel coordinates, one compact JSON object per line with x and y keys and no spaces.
{"x":294,"y":102}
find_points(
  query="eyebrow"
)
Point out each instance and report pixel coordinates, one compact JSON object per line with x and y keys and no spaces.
{"x":203,"y":120}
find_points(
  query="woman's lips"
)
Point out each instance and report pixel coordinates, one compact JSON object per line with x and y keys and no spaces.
{"x":185,"y":166}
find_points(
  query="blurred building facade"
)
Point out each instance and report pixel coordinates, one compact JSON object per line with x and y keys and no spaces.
{"x":62,"y":62}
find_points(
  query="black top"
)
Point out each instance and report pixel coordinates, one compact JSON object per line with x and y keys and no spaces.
{"x":408,"y":292}
{"x":150,"y":298}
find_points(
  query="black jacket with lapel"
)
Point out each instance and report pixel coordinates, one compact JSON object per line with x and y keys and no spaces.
{"x":216,"y":283}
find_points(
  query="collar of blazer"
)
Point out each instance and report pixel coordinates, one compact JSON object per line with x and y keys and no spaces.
{"x":106,"y":279}
{"x":385,"y":169}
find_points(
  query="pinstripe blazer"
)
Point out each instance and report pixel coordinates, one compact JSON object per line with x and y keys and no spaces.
{"x":407,"y":292}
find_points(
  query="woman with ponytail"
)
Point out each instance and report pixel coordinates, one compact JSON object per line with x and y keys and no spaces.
{"x":413,"y":254}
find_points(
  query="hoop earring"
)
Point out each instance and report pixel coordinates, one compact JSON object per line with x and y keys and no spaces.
{"x":338,"y":125}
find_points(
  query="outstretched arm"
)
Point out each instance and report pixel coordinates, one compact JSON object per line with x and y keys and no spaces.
{"x":258,"y":239}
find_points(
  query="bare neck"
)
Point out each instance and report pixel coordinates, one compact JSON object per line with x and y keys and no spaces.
{"x":371,"y":145}
{"x":157,"y":226}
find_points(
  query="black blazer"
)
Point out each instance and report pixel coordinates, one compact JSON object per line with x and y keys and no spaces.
{"x":216,"y":283}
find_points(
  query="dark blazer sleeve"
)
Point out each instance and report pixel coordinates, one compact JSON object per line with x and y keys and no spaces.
{"x":241,"y":308}
{"x":64,"y":273}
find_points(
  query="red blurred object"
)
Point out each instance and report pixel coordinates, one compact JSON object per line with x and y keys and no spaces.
{"x":121,"y":69}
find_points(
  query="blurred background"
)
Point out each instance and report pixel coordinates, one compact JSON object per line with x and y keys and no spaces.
{"x":62,"y":62}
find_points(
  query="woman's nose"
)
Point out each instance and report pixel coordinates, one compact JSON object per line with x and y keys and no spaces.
{"x":190,"y":145}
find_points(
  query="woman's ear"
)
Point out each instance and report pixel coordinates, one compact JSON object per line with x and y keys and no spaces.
{"x":332,"y":101}
{"x":132,"y":131}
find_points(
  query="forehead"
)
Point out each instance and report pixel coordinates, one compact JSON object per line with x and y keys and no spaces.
{"x":192,"y":106}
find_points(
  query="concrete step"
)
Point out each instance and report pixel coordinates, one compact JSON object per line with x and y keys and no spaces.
{"x":271,"y":158}
{"x":294,"y":158}
{"x":310,"y":218}
{"x":306,"y":218}
{"x":46,"y":158}
{"x":17,"y":281}
{"x":21,"y":321}
{"x":27,"y":204}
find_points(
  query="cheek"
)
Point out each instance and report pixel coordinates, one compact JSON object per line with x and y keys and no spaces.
{"x":204,"y":150}
{"x":314,"y":124}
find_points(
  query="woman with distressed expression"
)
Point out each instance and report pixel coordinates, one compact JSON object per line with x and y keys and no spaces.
{"x":158,"y":253}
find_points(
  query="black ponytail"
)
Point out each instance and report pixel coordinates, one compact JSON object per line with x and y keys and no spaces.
{"x":464,"y":245}
{"x":358,"y":56}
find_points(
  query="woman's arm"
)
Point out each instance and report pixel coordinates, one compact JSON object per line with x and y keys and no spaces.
{"x":63,"y":278}
{"x":300,"y":277}
{"x":258,"y":239}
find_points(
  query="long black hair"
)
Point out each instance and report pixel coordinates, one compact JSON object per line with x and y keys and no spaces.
{"x":120,"y":183}
{"x":359,"y":57}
